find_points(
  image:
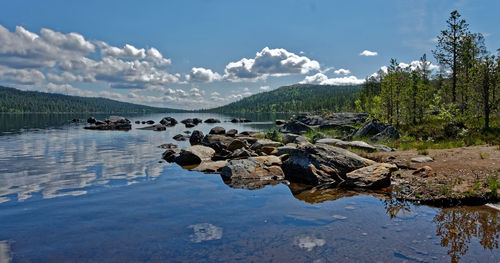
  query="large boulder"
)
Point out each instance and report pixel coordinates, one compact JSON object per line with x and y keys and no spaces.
{"x":232,"y":133}
{"x":168,"y":121}
{"x":91,"y":120}
{"x":295,"y":127}
{"x":369,"y":129}
{"x":390,"y":133}
{"x":235,"y":145}
{"x":255,"y":168}
{"x":360,"y":145}
{"x":265,"y":142}
{"x":217,"y":130}
{"x":321,"y":163}
{"x":194,"y":155}
{"x":374,"y":176}
{"x":196,"y":137}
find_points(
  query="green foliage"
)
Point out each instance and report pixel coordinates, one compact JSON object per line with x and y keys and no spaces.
{"x":17,"y":101}
{"x":492,"y":183}
{"x":297,"y":98}
{"x":273,"y":135}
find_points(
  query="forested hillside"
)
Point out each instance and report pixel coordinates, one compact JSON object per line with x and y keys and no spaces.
{"x":297,"y":98}
{"x":14,"y":100}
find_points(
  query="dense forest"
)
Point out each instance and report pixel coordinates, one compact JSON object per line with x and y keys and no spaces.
{"x":17,"y":101}
{"x":297,"y":98}
{"x":464,"y":91}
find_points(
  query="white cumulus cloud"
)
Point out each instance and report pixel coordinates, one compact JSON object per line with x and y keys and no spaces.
{"x":203,"y":75}
{"x":368,"y":53}
{"x":342,"y":71}
{"x":322,"y":79}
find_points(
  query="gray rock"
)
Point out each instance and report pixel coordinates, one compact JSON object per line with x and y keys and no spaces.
{"x":240,"y":153}
{"x":321,"y":163}
{"x":196,"y":137}
{"x":212,"y":120}
{"x":388,"y":134}
{"x":180,"y":137}
{"x":295,"y":127}
{"x":194,"y":155}
{"x":287,"y":149}
{"x":236,"y":144}
{"x":257,"y":168}
{"x":343,"y":144}
{"x":374,"y":176}
{"x":384,"y":148}
{"x":232,"y":133}
{"x":369,"y":129}
{"x":111,"y":123}
{"x":150,"y":122}
{"x":217,"y":130}
{"x":156,"y":127}
{"x":210,"y":167}
{"x":168,"y":121}
{"x":280,"y":122}
{"x":264,"y":142}
{"x":293,"y":138}
{"x":422,"y":159}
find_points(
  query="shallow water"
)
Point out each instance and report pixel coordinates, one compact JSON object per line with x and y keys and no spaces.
{"x":74,"y":195}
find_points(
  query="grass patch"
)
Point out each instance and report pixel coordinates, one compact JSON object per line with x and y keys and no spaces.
{"x":483,"y":155}
{"x":446,"y":190}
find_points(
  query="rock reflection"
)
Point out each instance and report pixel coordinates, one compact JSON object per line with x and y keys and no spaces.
{"x":250,"y":184}
{"x":309,"y":242}
{"x":457,"y":227}
{"x":205,"y":232}
{"x":5,"y":253}
{"x":323,"y":193}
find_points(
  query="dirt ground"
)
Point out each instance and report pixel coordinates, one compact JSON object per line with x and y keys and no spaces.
{"x":457,"y":176}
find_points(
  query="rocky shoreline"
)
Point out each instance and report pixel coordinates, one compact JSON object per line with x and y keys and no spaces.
{"x":249,"y":160}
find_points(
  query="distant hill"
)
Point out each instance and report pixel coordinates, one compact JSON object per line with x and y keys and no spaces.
{"x":296,"y":98}
{"x":14,"y":100}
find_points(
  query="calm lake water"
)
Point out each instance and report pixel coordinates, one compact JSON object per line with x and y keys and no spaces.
{"x":74,"y":195}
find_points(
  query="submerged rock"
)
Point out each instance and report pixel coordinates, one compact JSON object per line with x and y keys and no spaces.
{"x":180,"y":137}
{"x":212,"y":120}
{"x":156,"y":127}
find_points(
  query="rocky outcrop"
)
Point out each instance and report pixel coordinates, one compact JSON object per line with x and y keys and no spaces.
{"x":196,"y":137}
{"x":360,"y":145}
{"x":377,"y":131}
{"x":194,"y":155}
{"x":387,"y":135}
{"x":210,"y":167}
{"x":296,"y":127}
{"x":293,"y":138}
{"x":321,"y":163}
{"x":279,"y":122}
{"x":375,"y":176}
{"x":111,"y":123}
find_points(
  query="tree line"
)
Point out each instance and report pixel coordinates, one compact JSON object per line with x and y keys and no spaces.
{"x":18,"y":101}
{"x":465,"y":88}
{"x":297,"y":98}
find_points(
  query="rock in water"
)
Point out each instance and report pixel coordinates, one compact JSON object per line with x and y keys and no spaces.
{"x":168,"y":121}
{"x":321,"y":163}
{"x":194,"y":155}
{"x":212,"y":120}
{"x":374,"y":176}
{"x":196,"y":137}
{"x":156,"y":127}
{"x":91,"y":120}
{"x":179,"y":137}
{"x":295,"y":127}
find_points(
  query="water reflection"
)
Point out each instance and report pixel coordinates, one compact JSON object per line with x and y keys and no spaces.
{"x":394,"y":207}
{"x":5,"y":253}
{"x":205,"y":232}
{"x":309,"y":242}
{"x":458,"y":227}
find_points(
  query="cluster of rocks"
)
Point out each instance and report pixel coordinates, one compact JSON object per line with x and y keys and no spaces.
{"x":306,"y":122}
{"x":376,"y":131}
{"x":111,"y":123}
{"x":247,"y":157}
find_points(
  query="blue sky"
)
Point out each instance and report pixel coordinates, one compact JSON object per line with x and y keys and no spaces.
{"x":199,"y":54}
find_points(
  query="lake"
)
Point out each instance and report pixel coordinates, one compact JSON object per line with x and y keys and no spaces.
{"x":74,"y":195}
